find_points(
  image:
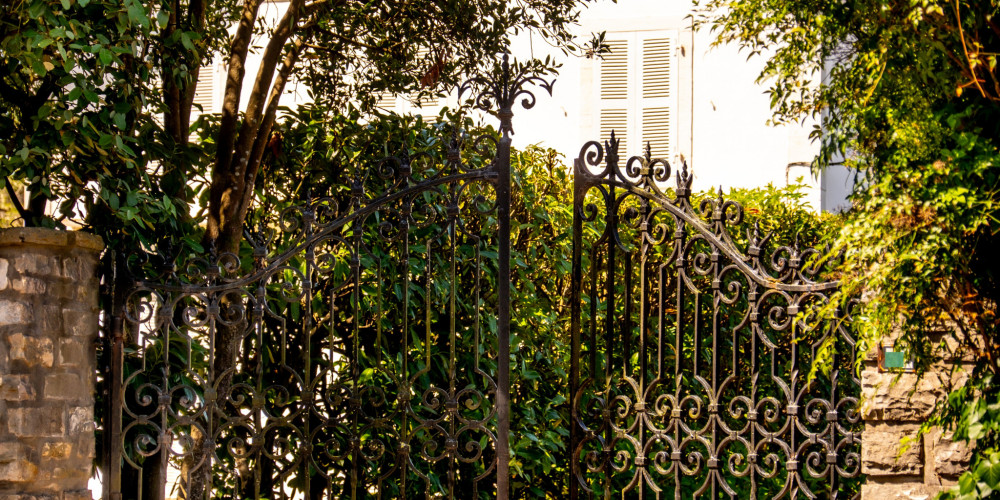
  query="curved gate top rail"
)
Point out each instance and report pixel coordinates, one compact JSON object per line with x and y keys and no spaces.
{"x":690,"y":357}
{"x":354,"y":357}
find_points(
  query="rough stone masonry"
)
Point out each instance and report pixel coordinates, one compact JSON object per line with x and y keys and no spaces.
{"x":901,"y":464}
{"x":48,"y":327}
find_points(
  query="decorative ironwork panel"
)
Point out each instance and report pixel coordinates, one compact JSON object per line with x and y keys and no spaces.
{"x":693,"y":341}
{"x":360,"y":350}
{"x":365,"y":347}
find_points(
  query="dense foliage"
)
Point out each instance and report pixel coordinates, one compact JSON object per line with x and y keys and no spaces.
{"x":98,"y":118}
{"x":97,"y":95}
{"x":319,"y":144}
{"x":909,"y":97}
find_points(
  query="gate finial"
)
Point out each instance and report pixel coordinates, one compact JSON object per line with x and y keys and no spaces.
{"x":503,"y":86}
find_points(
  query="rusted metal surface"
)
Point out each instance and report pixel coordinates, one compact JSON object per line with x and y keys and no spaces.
{"x":690,"y":359}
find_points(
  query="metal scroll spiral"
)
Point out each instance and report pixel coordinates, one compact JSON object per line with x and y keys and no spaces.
{"x":344,"y":381}
{"x":694,"y":348}
{"x":500,"y":90}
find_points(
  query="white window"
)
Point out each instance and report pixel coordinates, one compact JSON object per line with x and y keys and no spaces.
{"x":637,"y":92}
{"x":208,"y":91}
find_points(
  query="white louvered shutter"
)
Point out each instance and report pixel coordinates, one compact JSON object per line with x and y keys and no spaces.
{"x":204,"y":93}
{"x":656,"y":97}
{"x":614,"y":97}
{"x":637,"y":83}
{"x":386,"y":101}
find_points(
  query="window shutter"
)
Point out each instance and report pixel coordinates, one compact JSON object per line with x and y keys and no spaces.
{"x":656,"y":66}
{"x":204,"y":93}
{"x":636,"y":92}
{"x":614,"y":80}
{"x":386,"y":101}
{"x":617,"y":120}
{"x":614,"y":71}
{"x":655,"y":101}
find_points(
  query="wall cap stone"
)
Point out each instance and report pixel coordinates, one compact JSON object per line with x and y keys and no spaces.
{"x":40,"y":236}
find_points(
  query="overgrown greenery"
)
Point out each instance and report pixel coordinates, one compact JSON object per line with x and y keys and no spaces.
{"x":97,"y":100}
{"x":321,"y":146}
{"x":909,"y":96}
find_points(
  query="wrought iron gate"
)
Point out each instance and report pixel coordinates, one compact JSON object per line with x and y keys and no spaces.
{"x":690,"y":356}
{"x":363,"y":353}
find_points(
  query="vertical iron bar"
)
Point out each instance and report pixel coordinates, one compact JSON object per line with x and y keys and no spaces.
{"x":627,"y":313}
{"x":643,"y":365}
{"x":306,"y":449}
{"x":609,"y":318}
{"x":503,"y":315}
{"x":832,"y":423}
{"x":575,"y":311}
{"x":404,"y":401}
{"x":114,"y":470}
{"x":356,"y":362}
{"x":452,"y":359}
{"x":679,"y":264}
{"x":714,"y":412}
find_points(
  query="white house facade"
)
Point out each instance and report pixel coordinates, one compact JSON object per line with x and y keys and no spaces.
{"x":663,"y":83}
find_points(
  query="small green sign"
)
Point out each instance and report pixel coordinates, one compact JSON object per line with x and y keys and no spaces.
{"x":894,"y":359}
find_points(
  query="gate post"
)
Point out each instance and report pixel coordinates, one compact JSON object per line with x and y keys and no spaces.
{"x":503,"y":88}
{"x":48,"y":329}
{"x":900,"y":463}
{"x":503,"y":307}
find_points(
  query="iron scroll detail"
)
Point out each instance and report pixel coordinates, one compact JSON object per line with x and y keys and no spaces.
{"x":690,"y":354}
{"x":365,"y":365}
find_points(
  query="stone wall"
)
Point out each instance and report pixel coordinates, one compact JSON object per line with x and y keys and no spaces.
{"x":48,"y":327}
{"x":900,"y":463}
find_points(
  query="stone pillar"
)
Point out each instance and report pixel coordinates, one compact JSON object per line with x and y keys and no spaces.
{"x":48,"y":330}
{"x":899,"y":462}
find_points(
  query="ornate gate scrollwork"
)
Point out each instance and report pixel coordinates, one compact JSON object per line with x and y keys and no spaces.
{"x":371,"y":340}
{"x":690,"y":355}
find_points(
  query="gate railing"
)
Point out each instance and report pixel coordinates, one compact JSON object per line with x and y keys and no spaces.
{"x":692,"y":345}
{"x":370,"y":343}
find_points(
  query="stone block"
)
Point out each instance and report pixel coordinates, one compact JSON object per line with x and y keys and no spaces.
{"x":85,"y":294}
{"x":28,"y":285}
{"x":71,"y":475}
{"x":56,"y":450}
{"x":905,"y":490}
{"x":10,"y":451}
{"x":16,"y":388}
{"x":4,"y":266}
{"x":75,"y":352}
{"x":79,"y":323}
{"x":81,"y":420}
{"x":66,"y":386}
{"x":85,"y":445}
{"x":18,"y":471}
{"x":78,"y":495}
{"x":948,"y":459}
{"x":35,"y":422}
{"x":883,"y":452}
{"x":49,"y":319}
{"x":14,"y":313}
{"x":905,"y":396}
{"x":43,"y":237}
{"x":30,"y":351}
{"x":37,"y":264}
{"x":78,"y":268}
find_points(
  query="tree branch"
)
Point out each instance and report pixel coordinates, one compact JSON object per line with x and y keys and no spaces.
{"x":264,"y":132}
{"x":14,"y":200}
{"x":265,"y":75}
{"x":222,"y":177}
{"x":234,"y":84}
